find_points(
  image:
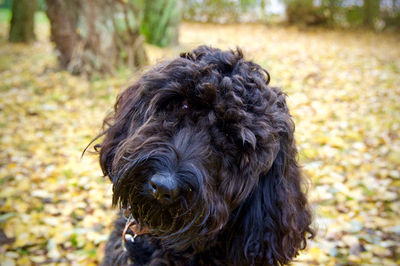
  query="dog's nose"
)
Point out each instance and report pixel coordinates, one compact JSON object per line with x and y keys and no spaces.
{"x":164,"y":187}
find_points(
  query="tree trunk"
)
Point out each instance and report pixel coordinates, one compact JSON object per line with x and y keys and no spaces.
{"x":161,"y":21}
{"x":394,"y":7}
{"x":22,"y":21}
{"x":371,"y":11}
{"x":63,"y":18}
{"x":332,"y":11}
{"x":96,"y":36}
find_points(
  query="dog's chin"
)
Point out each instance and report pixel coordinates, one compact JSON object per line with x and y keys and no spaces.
{"x":159,"y":219}
{"x":156,"y":218}
{"x":174,"y":227}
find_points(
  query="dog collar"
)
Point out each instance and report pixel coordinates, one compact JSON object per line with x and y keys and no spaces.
{"x":135,"y":228}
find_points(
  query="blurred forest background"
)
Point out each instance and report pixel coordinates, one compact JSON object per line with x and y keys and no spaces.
{"x":62,"y":63}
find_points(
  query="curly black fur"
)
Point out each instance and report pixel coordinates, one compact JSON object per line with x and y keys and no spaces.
{"x":210,"y":120}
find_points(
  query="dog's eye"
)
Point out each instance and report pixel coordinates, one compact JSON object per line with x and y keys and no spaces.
{"x":184,"y":106}
{"x":173,"y":105}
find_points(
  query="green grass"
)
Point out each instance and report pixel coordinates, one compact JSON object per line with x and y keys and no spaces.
{"x":5,"y":16}
{"x":41,"y":17}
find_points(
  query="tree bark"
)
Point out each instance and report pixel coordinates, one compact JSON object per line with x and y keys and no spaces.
{"x":63,"y":19}
{"x":371,"y":10}
{"x":95,"y":36}
{"x":22,"y":21}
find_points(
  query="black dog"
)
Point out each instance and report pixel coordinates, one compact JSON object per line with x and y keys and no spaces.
{"x":202,"y":158}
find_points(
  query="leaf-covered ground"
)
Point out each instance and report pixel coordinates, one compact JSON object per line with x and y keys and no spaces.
{"x":344,"y":93}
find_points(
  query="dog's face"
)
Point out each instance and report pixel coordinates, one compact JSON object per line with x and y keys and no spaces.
{"x":191,"y":143}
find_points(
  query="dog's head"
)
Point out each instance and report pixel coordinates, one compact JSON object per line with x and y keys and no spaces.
{"x":201,"y":148}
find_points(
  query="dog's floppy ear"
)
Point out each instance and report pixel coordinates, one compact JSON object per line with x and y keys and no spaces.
{"x":117,"y":125}
{"x":274,"y":222}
